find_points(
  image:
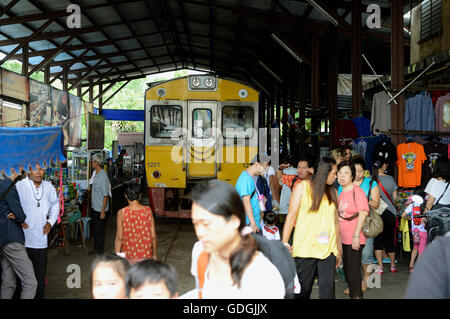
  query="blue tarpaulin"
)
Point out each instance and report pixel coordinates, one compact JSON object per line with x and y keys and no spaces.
{"x":122,"y":115}
{"x":30,"y":146}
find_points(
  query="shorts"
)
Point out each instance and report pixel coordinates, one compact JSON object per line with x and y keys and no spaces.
{"x":367,"y":253}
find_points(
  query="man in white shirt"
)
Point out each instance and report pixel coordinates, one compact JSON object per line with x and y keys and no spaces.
{"x":41,"y":206}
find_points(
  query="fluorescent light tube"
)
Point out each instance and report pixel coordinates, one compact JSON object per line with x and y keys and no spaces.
{"x":280,"y":42}
{"x":270,"y":71}
{"x":323,"y":12}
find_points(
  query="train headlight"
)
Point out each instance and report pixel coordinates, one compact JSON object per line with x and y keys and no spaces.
{"x":156,"y":174}
{"x":210,"y":82}
{"x":195,"y":82}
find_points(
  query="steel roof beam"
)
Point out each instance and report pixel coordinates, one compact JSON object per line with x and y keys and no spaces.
{"x":53,"y":14}
{"x":20,"y":46}
{"x":48,"y":59}
{"x":8,"y":7}
{"x":104,"y":34}
{"x":169,"y":20}
{"x":133,"y":33}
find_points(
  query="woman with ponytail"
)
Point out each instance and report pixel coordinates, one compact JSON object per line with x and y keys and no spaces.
{"x":388,"y":192}
{"x":226,"y":262}
{"x":316,"y":241}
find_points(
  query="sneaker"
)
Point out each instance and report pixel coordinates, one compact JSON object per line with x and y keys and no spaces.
{"x":381,"y":271}
{"x":394,"y":269}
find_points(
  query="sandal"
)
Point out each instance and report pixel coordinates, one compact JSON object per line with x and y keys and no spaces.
{"x":394,"y":269}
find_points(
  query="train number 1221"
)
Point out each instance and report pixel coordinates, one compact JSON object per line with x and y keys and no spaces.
{"x":153,"y":164}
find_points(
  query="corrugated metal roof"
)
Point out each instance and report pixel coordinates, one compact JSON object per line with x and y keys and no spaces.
{"x":138,"y":37}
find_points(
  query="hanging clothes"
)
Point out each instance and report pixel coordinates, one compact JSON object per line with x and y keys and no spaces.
{"x":360,"y":147}
{"x":370,"y":146}
{"x":419,"y":113}
{"x":442,"y":114}
{"x":362,"y":125}
{"x":386,"y":151}
{"x":433,"y":151}
{"x":344,"y":132}
{"x":436,"y":94}
{"x":410,"y":157}
{"x":381,"y":113}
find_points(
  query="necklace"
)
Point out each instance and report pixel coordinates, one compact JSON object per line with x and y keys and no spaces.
{"x":37,"y":199}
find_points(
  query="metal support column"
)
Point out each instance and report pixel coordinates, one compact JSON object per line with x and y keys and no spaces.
{"x":397,"y":67}
{"x":292,"y":141}
{"x":25,"y":63}
{"x":284,"y":120}
{"x":100,"y":99}
{"x":332,"y":85}
{"x":315,"y":121}
{"x":356,"y":55}
{"x":302,"y":99}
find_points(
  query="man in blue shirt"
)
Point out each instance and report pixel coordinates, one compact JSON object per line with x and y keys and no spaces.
{"x":246,"y":187}
{"x":14,"y":260}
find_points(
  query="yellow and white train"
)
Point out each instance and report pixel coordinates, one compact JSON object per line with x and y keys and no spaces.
{"x":197,"y":127}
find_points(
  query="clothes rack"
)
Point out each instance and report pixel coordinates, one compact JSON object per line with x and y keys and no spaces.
{"x":411,"y":132}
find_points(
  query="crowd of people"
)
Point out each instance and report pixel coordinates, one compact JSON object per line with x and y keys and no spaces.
{"x":291,"y":224}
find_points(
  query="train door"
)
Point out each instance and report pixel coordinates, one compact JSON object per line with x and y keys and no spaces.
{"x":201,"y":148}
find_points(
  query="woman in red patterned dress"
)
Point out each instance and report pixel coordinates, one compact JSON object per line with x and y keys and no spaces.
{"x":136,"y":235}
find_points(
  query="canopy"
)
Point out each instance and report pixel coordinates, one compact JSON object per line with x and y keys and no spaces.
{"x":30,"y":146}
{"x":122,"y":115}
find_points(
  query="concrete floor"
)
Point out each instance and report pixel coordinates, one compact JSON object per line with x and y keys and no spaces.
{"x":175,"y":241}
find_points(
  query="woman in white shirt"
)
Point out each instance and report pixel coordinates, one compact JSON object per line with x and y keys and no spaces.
{"x":438,"y":189}
{"x":225,"y":260}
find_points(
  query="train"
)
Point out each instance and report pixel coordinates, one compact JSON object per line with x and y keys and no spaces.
{"x":197,"y":128}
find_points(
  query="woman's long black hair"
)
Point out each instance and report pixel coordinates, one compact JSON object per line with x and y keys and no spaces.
{"x":220,"y":198}
{"x":319,"y":183}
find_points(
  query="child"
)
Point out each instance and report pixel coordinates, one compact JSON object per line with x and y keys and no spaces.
{"x":419,"y":232}
{"x":152,"y":279}
{"x":269,"y":230}
{"x":108,"y":277}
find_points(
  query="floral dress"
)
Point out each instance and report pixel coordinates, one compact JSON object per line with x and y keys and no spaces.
{"x":137,"y":236}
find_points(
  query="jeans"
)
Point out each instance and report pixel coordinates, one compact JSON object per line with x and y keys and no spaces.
{"x":367,"y":253}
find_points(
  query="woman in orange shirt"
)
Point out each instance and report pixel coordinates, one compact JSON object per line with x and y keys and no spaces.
{"x":136,"y":235}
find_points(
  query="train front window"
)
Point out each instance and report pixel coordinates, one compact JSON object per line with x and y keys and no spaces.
{"x":201,"y":123}
{"x":237,"y":121}
{"x":165,"y":120}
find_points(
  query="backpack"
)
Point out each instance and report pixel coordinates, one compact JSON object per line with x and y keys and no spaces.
{"x":264,"y":189}
{"x":278,"y":255}
{"x":296,"y":178}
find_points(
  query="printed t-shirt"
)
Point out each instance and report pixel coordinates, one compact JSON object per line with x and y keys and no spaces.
{"x":348,"y":206}
{"x":410,"y":157}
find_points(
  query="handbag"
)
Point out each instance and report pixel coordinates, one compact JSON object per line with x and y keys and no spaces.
{"x":436,"y":204}
{"x":373,"y":225}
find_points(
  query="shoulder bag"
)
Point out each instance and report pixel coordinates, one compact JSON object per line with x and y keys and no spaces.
{"x":373,"y":225}
{"x":436,"y":204}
